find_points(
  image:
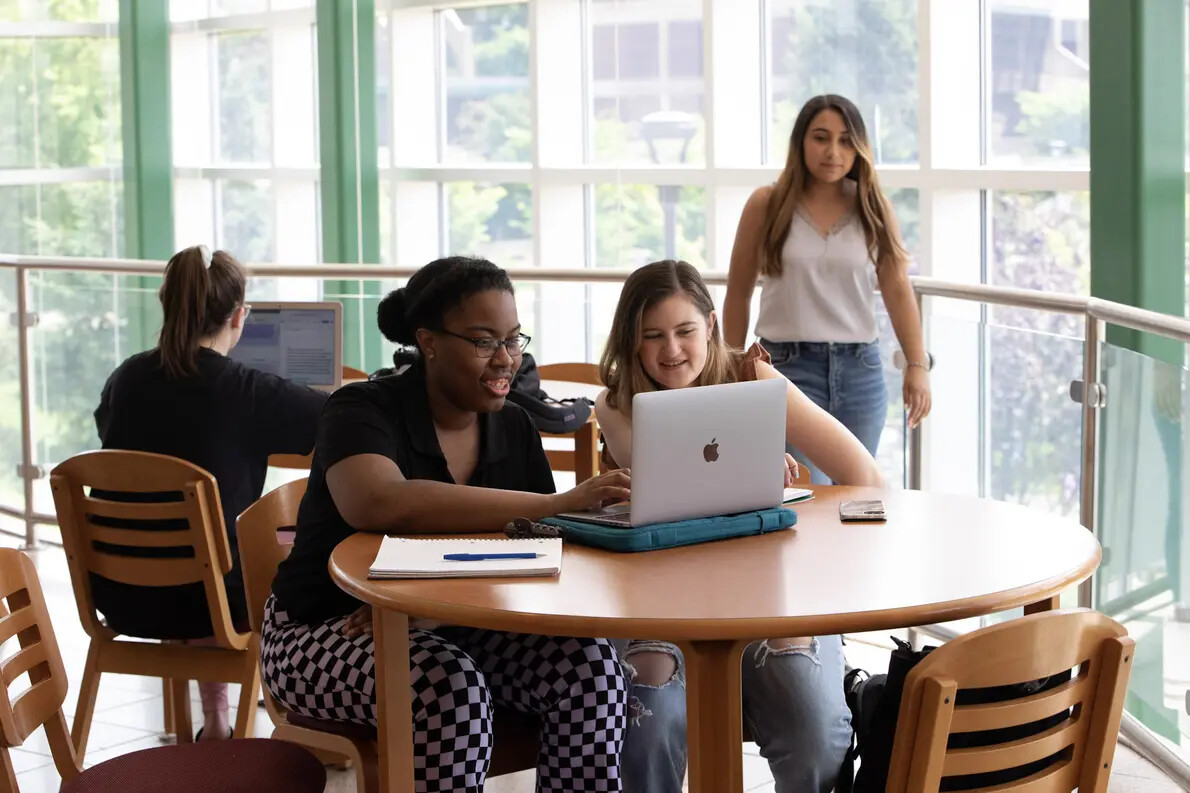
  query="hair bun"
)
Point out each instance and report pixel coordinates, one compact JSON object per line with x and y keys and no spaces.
{"x":392,"y":317}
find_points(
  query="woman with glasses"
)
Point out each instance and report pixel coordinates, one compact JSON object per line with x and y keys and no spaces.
{"x":187,"y":399}
{"x":437,"y":449}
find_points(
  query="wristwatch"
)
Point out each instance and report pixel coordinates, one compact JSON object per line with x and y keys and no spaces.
{"x":901,"y":363}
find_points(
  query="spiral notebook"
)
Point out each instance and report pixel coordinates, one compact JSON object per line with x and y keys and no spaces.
{"x":402,"y":557}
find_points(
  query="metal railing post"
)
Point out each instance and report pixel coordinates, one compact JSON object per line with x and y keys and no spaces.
{"x":1092,"y":401}
{"x":913,"y":435}
{"x":27,"y":465}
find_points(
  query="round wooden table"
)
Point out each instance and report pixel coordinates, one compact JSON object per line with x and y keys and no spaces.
{"x":937,"y":558}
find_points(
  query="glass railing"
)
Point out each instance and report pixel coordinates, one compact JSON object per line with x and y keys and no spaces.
{"x":1005,"y":391}
{"x":1143,"y":522}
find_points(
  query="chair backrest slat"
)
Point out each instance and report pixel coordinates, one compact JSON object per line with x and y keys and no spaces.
{"x":144,"y":572}
{"x":12,"y":624}
{"x":21,"y":662}
{"x":138,"y":538}
{"x":986,"y":759}
{"x":136,"y":510}
{"x":1057,"y":738}
{"x":998,"y":715}
{"x":1060,"y":777}
{"x":143,"y":478}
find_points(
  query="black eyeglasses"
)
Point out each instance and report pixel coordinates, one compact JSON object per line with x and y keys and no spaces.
{"x":486,"y":347}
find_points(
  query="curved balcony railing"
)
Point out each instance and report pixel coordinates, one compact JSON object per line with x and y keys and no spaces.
{"x":1032,"y":404}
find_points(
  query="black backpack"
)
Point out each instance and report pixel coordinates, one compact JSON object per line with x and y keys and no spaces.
{"x":552,"y":415}
{"x":875,"y":702}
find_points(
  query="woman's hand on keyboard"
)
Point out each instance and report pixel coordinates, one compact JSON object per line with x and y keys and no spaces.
{"x":608,"y":488}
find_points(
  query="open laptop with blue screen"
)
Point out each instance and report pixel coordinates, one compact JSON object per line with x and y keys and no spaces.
{"x":302,"y":342}
{"x":702,"y":452}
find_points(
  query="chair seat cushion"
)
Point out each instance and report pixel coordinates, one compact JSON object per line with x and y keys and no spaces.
{"x":252,"y":765}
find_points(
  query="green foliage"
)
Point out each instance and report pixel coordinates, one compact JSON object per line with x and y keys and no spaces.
{"x":83,"y":331}
{"x":628,"y":224}
{"x":1057,"y":122}
{"x":495,"y":127}
{"x":1040,"y":241}
{"x":865,"y":50}
{"x":248,"y":220}
{"x":507,"y":51}
{"x":470,"y":205}
{"x":245,"y":104}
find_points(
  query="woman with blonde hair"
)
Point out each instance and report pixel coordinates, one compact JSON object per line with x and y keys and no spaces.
{"x":823,"y":237}
{"x":665,"y":334}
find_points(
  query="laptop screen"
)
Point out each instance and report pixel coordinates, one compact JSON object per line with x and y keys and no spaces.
{"x":298,"y":344}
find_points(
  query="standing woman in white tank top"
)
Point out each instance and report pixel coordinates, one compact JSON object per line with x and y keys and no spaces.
{"x":823,"y":237}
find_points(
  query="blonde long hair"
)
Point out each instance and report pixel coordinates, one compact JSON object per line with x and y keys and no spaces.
{"x":884,"y":246}
{"x":620,"y":368}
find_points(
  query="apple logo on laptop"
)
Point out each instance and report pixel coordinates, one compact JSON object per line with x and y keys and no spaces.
{"x":710,"y":452}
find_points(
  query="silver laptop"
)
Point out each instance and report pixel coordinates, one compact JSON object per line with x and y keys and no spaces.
{"x":302,"y":342}
{"x":700,"y":452}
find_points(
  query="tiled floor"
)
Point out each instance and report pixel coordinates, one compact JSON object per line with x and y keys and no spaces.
{"x":129,"y":713}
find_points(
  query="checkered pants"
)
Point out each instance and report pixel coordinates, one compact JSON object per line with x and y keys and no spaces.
{"x":576,"y":685}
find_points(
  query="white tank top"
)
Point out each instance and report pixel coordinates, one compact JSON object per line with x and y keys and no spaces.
{"x":827,"y":287}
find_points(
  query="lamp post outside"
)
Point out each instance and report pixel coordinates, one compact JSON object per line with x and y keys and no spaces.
{"x":659,"y":128}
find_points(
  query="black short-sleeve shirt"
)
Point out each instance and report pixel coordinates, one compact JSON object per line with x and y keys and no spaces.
{"x":391,"y":417}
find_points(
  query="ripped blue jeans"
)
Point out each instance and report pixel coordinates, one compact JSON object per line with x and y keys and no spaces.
{"x":793,"y":707}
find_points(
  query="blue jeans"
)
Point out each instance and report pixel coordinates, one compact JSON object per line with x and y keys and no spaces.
{"x":845,"y":380}
{"x":793,"y":706}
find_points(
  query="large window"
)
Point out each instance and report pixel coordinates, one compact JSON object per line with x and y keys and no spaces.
{"x":61,"y":185}
{"x":61,"y":194}
{"x":245,"y":132}
{"x":598,"y":134}
{"x":611,"y":133}
{"x":646,"y":82}
{"x":1038,"y":83}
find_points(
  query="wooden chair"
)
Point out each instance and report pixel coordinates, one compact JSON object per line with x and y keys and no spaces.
{"x":351,"y":373}
{"x":211,"y":765}
{"x":583,"y":459}
{"x":571,"y":372}
{"x":234,"y":659}
{"x":262,"y":549}
{"x":1034,"y":647}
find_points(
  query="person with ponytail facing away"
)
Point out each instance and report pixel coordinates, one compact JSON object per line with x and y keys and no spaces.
{"x":187,"y":399}
{"x":436,"y":449}
{"x":823,"y":237}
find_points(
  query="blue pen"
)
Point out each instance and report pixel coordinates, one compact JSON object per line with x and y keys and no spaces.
{"x":483,"y":557}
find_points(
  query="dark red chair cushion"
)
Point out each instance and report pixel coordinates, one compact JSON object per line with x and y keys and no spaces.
{"x":253,"y":765}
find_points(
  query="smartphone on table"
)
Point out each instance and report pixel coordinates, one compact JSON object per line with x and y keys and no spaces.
{"x":861,"y":510}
